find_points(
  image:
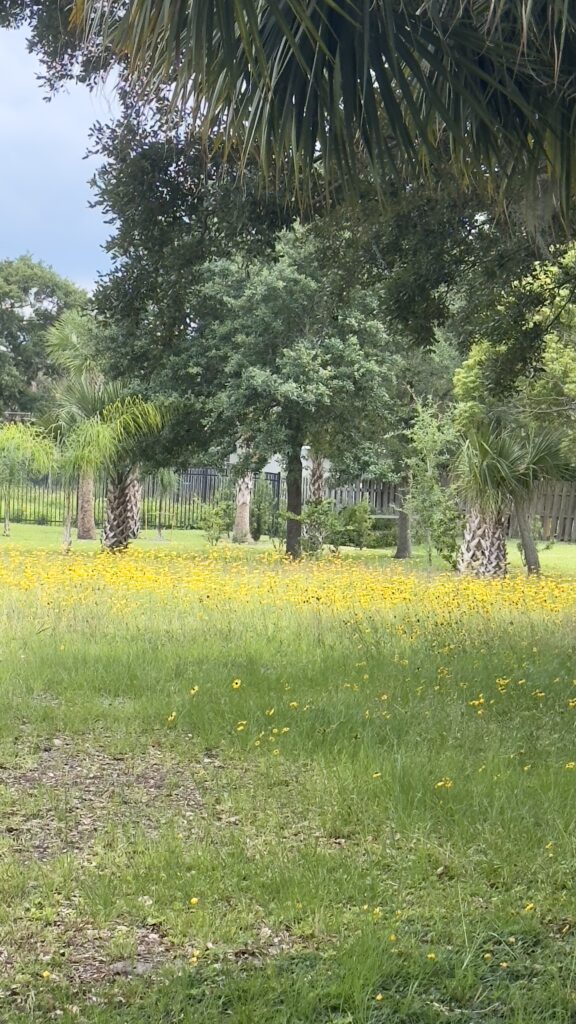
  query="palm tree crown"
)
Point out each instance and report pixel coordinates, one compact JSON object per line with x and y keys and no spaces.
{"x":490,"y":80}
{"x":497,"y":466}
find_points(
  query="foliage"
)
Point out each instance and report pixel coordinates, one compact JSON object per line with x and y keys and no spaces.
{"x":286,"y":367}
{"x":384,"y":532}
{"x":215,"y":520}
{"x":24,"y":451}
{"x":521,"y":336}
{"x":498,"y":464}
{"x":320,"y":525}
{"x":356,"y":524}
{"x":354,"y":83}
{"x":71,"y":344}
{"x":32,"y":297}
{"x":262,"y":509}
{"x":435,"y":514}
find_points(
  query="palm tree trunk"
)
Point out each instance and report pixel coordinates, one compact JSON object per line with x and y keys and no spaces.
{"x":134,"y":497}
{"x":403,"y":537}
{"x":471,"y":550}
{"x":317,"y":478}
{"x":294,"y":501}
{"x":483,"y":549}
{"x":495,"y":560}
{"x":531,"y":556}
{"x":122,"y":521}
{"x":241,"y":529}
{"x":86,"y":528}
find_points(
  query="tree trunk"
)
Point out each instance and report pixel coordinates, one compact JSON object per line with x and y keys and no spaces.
{"x":483,"y":550}
{"x":6,"y":514}
{"x":86,"y":527}
{"x":316,"y":478}
{"x":495,"y":561}
{"x":531,"y":556}
{"x":403,"y":538}
{"x":241,"y":529}
{"x":134,"y":495}
{"x":294,"y":502}
{"x":67,"y":535}
{"x":471,"y":550}
{"x":122,"y":521}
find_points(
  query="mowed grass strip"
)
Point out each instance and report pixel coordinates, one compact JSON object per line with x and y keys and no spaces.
{"x":251,"y":792}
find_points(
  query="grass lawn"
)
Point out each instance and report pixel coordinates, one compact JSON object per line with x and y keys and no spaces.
{"x":233,"y":789}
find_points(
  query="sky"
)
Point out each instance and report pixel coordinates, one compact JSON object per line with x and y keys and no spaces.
{"x":44,"y":191}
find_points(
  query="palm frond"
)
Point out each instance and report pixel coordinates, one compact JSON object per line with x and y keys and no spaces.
{"x":68,"y":343}
{"x":91,"y":445}
{"x":23,"y":450}
{"x":321,"y":80}
{"x":497,"y":465}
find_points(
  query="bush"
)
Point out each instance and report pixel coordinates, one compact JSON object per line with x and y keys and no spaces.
{"x":356,"y":524}
{"x":384,"y":532}
{"x":215,"y":521}
{"x":320,"y":525}
{"x":447,"y":528}
{"x":262,"y":509}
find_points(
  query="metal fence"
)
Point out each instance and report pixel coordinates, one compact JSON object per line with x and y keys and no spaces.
{"x":182,"y":508}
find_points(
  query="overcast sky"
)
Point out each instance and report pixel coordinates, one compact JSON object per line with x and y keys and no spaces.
{"x":44,"y":188}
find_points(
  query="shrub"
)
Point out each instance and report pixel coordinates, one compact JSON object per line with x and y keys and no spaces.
{"x":262,"y":509}
{"x":384,"y":532}
{"x":356,"y":523}
{"x":320,"y":525}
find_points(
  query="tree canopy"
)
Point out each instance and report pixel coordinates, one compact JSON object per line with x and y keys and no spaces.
{"x":486,"y":85}
{"x":32,"y":297}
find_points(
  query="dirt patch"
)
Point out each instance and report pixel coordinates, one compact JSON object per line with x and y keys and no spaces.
{"x":70,"y":796}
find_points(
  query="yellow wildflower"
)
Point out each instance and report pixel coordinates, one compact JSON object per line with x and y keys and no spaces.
{"x":444,"y":783}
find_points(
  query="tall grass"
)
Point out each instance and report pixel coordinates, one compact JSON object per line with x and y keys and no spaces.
{"x":226,"y":798}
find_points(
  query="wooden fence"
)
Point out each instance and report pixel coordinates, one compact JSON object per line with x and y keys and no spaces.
{"x":554,"y":505}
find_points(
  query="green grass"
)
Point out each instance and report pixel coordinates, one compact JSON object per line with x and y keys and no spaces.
{"x":335,"y":881}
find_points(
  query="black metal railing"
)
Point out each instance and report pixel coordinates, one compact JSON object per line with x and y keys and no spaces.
{"x":182,"y":507}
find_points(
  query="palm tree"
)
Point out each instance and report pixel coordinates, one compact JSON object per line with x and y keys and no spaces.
{"x":131,"y":420}
{"x":89,"y":445}
{"x":243,"y":494}
{"x":98,"y":430}
{"x":24,"y":451}
{"x":488,"y":82}
{"x":86,"y":406}
{"x":78,"y":395}
{"x":500,"y":466}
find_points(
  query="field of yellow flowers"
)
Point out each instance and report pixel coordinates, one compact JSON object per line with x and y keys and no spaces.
{"x":237,"y":789}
